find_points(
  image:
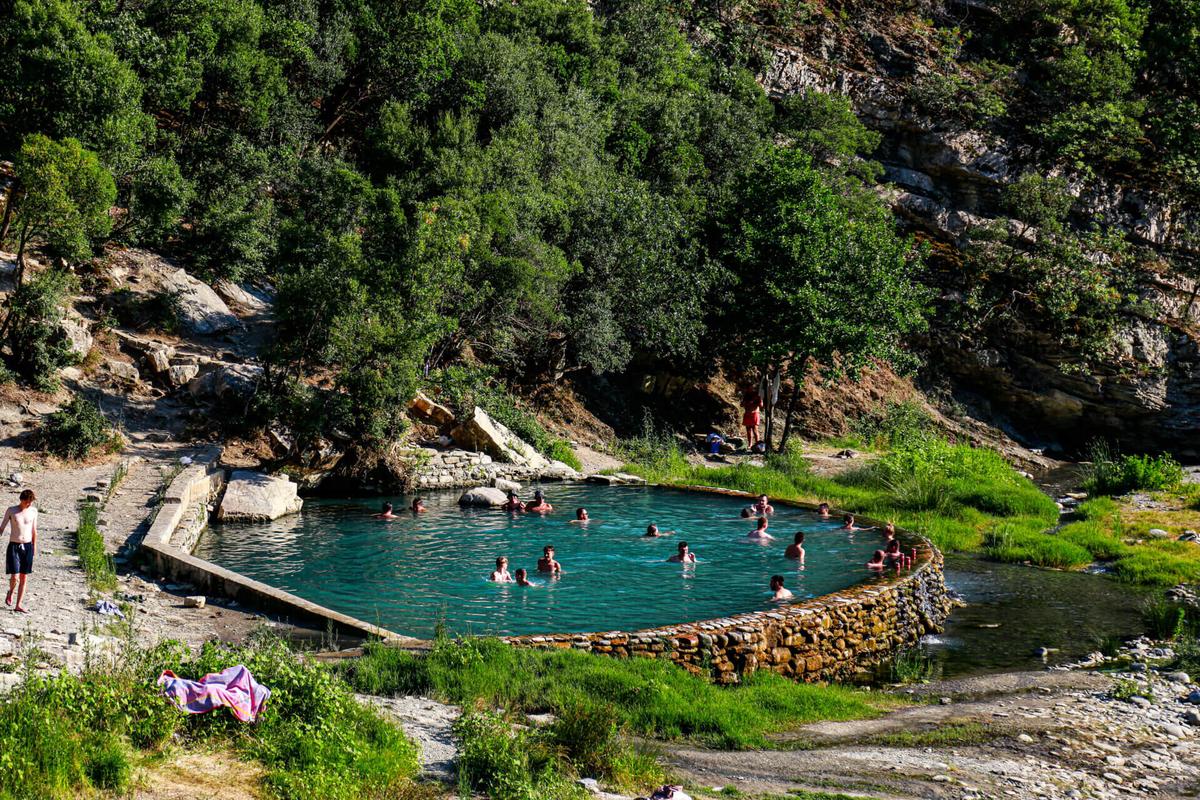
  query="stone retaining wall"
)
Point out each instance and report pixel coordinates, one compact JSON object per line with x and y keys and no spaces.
{"x":177,"y":527}
{"x":461,"y":469}
{"x":826,"y":638}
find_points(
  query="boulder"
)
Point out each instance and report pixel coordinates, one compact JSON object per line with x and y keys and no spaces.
{"x":558,"y":471}
{"x":250,"y":299}
{"x":180,"y":374}
{"x":422,"y":407}
{"x":158,"y":357}
{"x":226,"y":382}
{"x":483,"y":433}
{"x":77,"y":334}
{"x":255,"y":497}
{"x":506,"y":485}
{"x":201,"y":311}
{"x":483,"y":497}
{"x":122,"y":370}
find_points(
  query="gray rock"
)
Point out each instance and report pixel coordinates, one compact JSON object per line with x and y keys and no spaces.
{"x":484,"y":497}
{"x":180,"y":374}
{"x":122,"y":370}
{"x":255,"y":497}
{"x":194,"y":601}
{"x":226,"y":382}
{"x":247,"y":297}
{"x":1139,"y":701}
{"x":201,"y":311}
{"x":159,"y":358}
{"x":1192,"y":718}
{"x":77,"y":334}
{"x":505,"y":485}
{"x":481,"y":432}
{"x":1025,"y":738}
{"x":1193,"y":697}
{"x":424,"y":408}
{"x":1178,"y":677}
{"x":1137,"y":666}
{"x":1158,"y":533}
{"x":1174,"y":730}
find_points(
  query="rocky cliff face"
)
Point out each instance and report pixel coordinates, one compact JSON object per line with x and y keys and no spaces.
{"x":942,"y":180}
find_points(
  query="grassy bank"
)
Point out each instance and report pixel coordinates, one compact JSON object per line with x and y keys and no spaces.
{"x":66,"y":736}
{"x":650,"y":698}
{"x":963,"y":498}
{"x":89,"y":543}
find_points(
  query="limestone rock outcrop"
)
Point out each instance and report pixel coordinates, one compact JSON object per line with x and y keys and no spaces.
{"x":429,"y":410}
{"x":256,"y":497}
{"x":201,"y":310}
{"x":481,"y":432}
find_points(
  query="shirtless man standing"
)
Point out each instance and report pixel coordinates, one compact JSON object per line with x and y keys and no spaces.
{"x":21,"y":521}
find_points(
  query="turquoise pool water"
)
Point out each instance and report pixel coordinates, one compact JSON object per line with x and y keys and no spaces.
{"x":414,"y":572}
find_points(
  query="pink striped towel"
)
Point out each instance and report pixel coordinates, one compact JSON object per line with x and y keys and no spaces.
{"x":234,"y":687}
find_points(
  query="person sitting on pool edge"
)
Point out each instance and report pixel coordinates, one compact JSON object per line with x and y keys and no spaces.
{"x":760,"y":532}
{"x":876,"y":563}
{"x":513,"y":503}
{"x":581,"y":515}
{"x":823,"y":511}
{"x":889,"y":532}
{"x":780,"y":593}
{"x":418,"y":506}
{"x":539,"y":503}
{"x":522,"y":578}
{"x":501,"y":574}
{"x":684,"y":556}
{"x":796,"y":548}
{"x":763,"y":506}
{"x":386,"y":513}
{"x":547,"y":563}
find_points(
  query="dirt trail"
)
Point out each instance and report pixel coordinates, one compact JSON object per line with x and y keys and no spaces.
{"x":1036,"y":735}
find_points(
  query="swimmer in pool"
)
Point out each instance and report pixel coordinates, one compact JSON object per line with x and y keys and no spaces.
{"x":652,"y":531}
{"x":876,"y":564}
{"x":684,"y":556}
{"x":848,"y":524}
{"x":501,"y":574}
{"x":539,"y":503}
{"x":522,"y":579}
{"x":893,"y":555}
{"x":760,"y":533}
{"x":386,"y":513}
{"x":763,"y":506}
{"x":747,"y":513}
{"x":780,"y":593}
{"x":581,"y":515}
{"x":796,"y":548}
{"x":547,"y":563}
{"x":889,"y":532}
{"x":513,"y":503}
{"x":418,"y":506}
{"x":823,"y":511}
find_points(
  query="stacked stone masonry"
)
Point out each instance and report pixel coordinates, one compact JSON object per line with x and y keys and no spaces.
{"x":457,"y":469}
{"x":824,"y":639}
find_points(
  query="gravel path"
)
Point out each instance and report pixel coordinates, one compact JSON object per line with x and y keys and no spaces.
{"x":429,"y":723}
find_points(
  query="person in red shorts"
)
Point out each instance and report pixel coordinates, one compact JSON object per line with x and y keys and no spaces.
{"x":751,"y":416}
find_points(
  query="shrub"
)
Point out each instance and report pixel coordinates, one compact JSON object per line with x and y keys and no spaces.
{"x":1164,"y":619}
{"x":560,"y":450}
{"x":107,"y":763}
{"x":1110,"y":474}
{"x":37,"y":348}
{"x":893,"y":425}
{"x":76,"y":430}
{"x":588,"y":735}
{"x":491,"y":757}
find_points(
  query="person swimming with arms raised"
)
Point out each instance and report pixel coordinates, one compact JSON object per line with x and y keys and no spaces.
{"x":547,"y":563}
{"x":876,"y":564}
{"x":539,"y":504}
{"x":523,"y":578}
{"x":501,"y":574}
{"x":513,"y":503}
{"x":683,"y":555}
{"x":796,"y":548}
{"x":780,"y":593}
{"x":386,"y":513}
{"x":418,"y":506}
{"x":760,"y":532}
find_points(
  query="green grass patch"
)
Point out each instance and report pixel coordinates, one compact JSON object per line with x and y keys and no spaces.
{"x":1113,"y":474}
{"x":649,"y":697}
{"x":1160,"y":563}
{"x":67,"y":735}
{"x":946,"y":735}
{"x":89,"y":543}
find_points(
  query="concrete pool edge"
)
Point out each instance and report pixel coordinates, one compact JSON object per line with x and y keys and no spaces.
{"x":825,"y":638}
{"x":176,"y":529}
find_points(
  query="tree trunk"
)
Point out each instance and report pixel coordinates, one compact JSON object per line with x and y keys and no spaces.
{"x":768,"y":410}
{"x":10,"y":200}
{"x":797,"y":381}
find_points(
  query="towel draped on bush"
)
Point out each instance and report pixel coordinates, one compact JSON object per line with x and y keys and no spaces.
{"x":234,"y":687}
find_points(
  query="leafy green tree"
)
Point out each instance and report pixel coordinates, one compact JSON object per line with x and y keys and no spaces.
{"x":62,"y":198}
{"x":816,"y":285}
{"x":36,"y":347}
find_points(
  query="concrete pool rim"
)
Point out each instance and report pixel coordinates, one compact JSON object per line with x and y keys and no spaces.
{"x":821,"y":638}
